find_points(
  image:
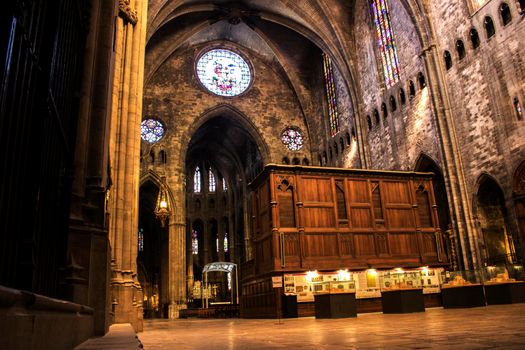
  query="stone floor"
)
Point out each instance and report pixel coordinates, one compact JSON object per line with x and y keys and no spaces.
{"x":492,"y":327}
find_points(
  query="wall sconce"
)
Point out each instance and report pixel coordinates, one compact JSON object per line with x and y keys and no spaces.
{"x":163,"y":207}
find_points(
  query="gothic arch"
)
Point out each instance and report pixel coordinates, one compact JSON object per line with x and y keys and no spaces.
{"x":232,"y":113}
{"x":490,"y":212}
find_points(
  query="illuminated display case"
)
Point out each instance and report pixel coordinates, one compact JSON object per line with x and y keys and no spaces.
{"x":462,"y":289}
{"x":504,"y":284}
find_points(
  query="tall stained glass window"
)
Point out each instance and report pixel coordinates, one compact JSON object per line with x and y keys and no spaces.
{"x":212,"y":181}
{"x":224,"y":185}
{"x":386,"y":42}
{"x":224,"y":72}
{"x":194,"y":242}
{"x":330,"y":94}
{"x":141,"y":240}
{"x":197,"y":184}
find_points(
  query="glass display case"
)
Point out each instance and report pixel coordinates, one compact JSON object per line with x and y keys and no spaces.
{"x":451,"y":279}
{"x":399,"y":279}
{"x":334,"y":287}
{"x":503,"y":274}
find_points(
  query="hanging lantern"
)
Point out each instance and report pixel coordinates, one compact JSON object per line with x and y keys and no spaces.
{"x":162,"y":209}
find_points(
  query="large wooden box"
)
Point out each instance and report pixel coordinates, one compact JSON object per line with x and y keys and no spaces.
{"x":338,"y":305}
{"x":402,"y":301}
{"x":505,"y":293}
{"x":455,"y":297}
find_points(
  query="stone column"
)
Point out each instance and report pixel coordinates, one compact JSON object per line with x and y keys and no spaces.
{"x":452,"y":164}
{"x":126,"y":115}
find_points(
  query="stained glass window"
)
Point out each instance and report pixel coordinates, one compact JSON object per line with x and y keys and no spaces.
{"x":292,"y":138}
{"x":330,"y":94}
{"x":194,"y":242}
{"x":226,"y":243}
{"x":223,"y":72}
{"x":386,"y":42}
{"x":212,"y":181}
{"x":141,"y":240}
{"x":197,"y":185}
{"x":518,"y":109}
{"x":151,"y":130}
{"x":224,"y":185}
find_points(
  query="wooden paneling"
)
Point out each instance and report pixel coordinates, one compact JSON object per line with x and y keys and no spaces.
{"x":403,"y":244}
{"x":333,"y":218}
{"x":364,"y":244}
{"x":319,"y":217}
{"x":323,"y":244}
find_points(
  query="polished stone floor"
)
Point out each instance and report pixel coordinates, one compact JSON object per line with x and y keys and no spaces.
{"x":492,"y":327}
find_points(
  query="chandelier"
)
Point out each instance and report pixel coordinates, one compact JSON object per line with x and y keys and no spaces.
{"x":163,"y":208}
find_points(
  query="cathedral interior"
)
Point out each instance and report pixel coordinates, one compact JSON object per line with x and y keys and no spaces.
{"x":161,"y":157}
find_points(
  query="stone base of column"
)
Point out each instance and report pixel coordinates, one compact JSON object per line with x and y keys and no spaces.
{"x":173,"y":310}
{"x":126,"y":299}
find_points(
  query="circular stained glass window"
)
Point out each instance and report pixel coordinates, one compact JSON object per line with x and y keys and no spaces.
{"x":224,"y":72}
{"x":292,"y":138}
{"x":151,"y":130}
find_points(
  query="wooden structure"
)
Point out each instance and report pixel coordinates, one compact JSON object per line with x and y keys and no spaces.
{"x":313,"y":218}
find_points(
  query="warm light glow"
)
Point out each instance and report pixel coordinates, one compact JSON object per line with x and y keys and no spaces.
{"x":372,"y":272}
{"x":343,"y":275}
{"x":311,"y":275}
{"x":163,"y":203}
{"x":398,"y":270}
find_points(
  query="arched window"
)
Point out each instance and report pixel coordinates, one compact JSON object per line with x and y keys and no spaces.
{"x":226,"y":246}
{"x":197,"y":181}
{"x":460,"y":48}
{"x":402,"y":97}
{"x":448,"y":60}
{"x":421,"y":81}
{"x":306,"y":161}
{"x":384,"y":110}
{"x":518,"y":109}
{"x":474,"y":38}
{"x":141,"y":240}
{"x":393,"y":104}
{"x":506,"y":16}
{"x":411,"y":88}
{"x":385,"y":41}
{"x":224,"y":185}
{"x":369,"y":122}
{"x":296,"y":161}
{"x":490,"y":30}
{"x":376,"y":116}
{"x":212,"y":182}
{"x":194,"y":242}
{"x":286,"y":160}
{"x":330,"y":94}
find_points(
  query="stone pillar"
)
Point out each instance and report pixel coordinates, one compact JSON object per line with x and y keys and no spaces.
{"x":126,"y":115}
{"x":461,"y":208}
{"x":87,"y":272}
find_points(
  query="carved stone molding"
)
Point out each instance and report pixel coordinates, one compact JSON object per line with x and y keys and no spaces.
{"x":128,"y":14}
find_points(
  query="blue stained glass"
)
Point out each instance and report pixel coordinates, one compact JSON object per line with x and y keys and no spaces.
{"x":151,"y":130}
{"x":224,"y":72}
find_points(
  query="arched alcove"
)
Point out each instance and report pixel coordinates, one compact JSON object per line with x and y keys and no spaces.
{"x":491,"y":216}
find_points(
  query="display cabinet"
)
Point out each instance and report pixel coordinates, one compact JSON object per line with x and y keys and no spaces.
{"x":335,"y":299}
{"x":462,"y":289}
{"x":504,"y":284}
